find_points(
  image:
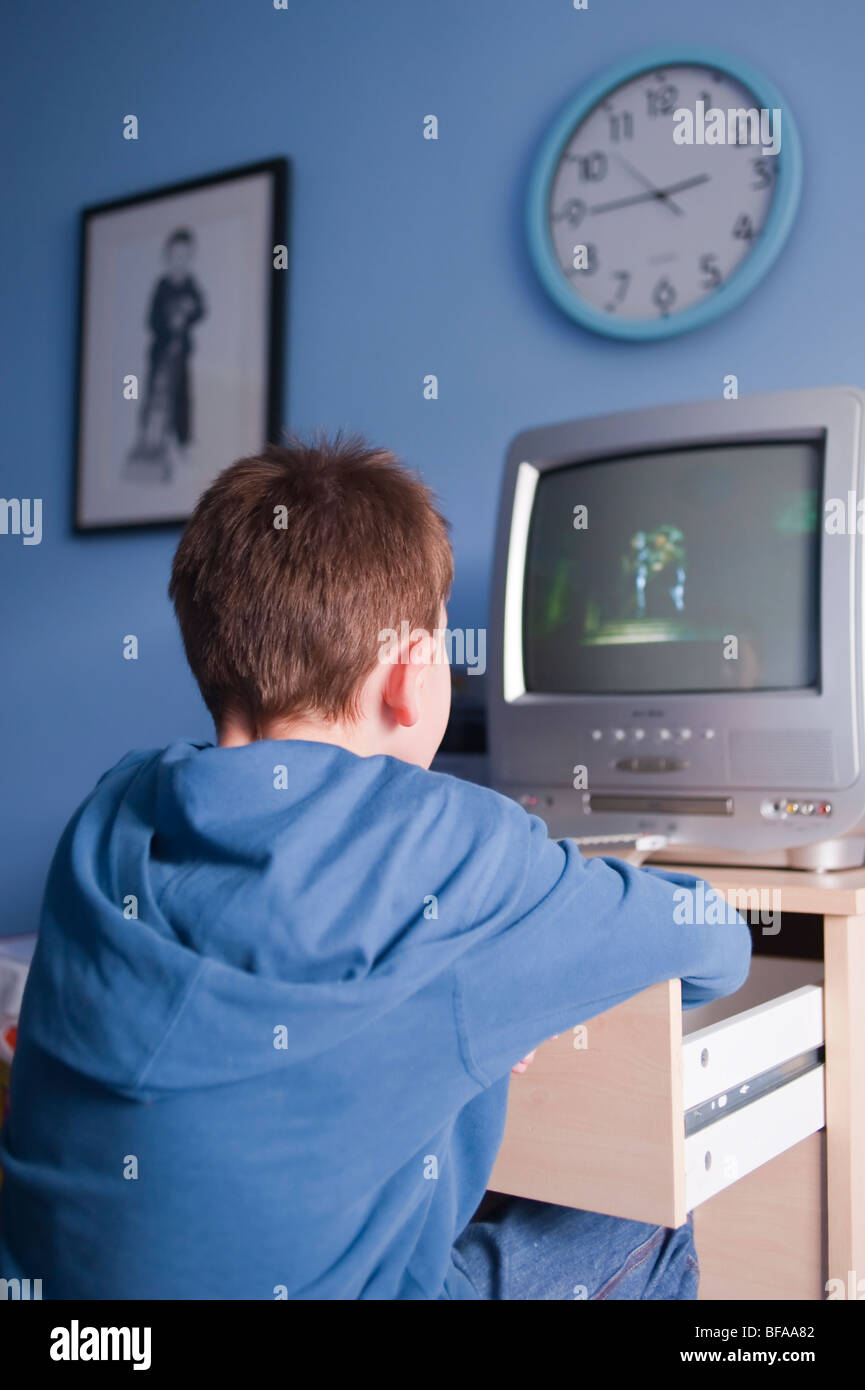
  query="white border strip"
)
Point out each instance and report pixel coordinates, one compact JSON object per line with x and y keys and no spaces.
{"x":524,"y":496}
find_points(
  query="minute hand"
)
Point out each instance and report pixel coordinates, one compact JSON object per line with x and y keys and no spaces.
{"x":656,"y":193}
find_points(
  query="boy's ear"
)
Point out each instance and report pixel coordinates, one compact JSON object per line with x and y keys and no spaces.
{"x":404,"y":678}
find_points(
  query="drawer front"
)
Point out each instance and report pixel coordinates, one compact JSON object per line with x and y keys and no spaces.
{"x":599,"y":1125}
{"x":644,"y":1124}
{"x":725,"y":1055}
{"x":739,"y":1142}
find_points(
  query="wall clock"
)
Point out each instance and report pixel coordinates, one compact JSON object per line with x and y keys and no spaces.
{"x":675,"y":234}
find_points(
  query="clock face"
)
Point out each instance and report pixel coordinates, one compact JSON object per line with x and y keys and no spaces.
{"x":645,"y":236}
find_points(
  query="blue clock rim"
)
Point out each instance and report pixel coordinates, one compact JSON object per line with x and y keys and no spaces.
{"x":743,"y":281}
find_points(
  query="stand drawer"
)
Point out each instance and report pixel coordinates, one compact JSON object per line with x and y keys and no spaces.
{"x":645,"y":1112}
{"x":753,"y":1083}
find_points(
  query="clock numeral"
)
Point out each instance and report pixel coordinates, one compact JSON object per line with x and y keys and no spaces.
{"x":661,"y":101}
{"x":743,"y":228}
{"x":573,"y":212}
{"x":711,"y":271}
{"x":764,"y":171}
{"x":624,"y":279}
{"x":664,"y":295}
{"x":622,"y":127}
{"x":592,"y":166}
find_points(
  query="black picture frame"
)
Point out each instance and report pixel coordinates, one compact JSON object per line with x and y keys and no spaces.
{"x":95,"y":393}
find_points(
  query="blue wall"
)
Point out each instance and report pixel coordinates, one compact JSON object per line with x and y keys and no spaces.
{"x":408,"y":258}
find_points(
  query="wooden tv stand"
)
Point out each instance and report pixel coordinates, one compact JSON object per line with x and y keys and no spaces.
{"x":599,"y":1119}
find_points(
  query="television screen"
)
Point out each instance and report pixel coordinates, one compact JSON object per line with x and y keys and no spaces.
{"x":682,"y":571}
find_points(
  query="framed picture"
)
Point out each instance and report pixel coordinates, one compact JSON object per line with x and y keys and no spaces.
{"x":181,"y":342}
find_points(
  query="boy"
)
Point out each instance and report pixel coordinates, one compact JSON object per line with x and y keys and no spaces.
{"x":253,"y":1062}
{"x":176,"y":306}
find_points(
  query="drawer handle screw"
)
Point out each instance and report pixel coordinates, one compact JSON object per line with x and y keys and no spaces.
{"x":704,"y":1057}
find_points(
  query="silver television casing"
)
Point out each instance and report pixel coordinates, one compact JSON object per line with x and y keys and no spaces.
{"x":802,"y":747}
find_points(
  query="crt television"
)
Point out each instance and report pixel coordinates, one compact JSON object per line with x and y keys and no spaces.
{"x":677,"y":629}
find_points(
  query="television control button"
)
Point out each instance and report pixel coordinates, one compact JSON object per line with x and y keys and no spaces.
{"x":708,"y":733}
{"x":597,"y":735}
{"x":684,"y":734}
{"x":618,"y":735}
{"x":664,"y":735}
{"x":638,"y":734}
{"x":650,"y":765}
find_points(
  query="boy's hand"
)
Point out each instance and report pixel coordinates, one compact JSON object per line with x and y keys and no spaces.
{"x":524,"y":1064}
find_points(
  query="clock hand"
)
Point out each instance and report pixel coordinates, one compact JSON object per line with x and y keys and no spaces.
{"x":685,"y":183}
{"x":660,"y":194}
{"x":628,"y":202}
{"x":641,"y":178}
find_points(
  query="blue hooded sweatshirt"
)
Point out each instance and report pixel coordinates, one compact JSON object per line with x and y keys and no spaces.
{"x":266,"y":1040}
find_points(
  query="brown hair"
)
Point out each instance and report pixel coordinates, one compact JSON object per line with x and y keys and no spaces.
{"x":291,"y":566}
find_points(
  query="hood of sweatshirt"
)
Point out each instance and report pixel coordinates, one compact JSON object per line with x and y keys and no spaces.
{"x":220,"y":894}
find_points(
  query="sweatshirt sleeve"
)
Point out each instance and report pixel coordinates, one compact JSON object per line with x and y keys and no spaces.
{"x":558,"y":939}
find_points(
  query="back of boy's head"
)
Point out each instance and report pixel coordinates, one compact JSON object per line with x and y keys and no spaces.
{"x":292,"y":565}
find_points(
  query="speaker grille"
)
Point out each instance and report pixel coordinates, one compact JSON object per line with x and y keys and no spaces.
{"x":789,"y":759}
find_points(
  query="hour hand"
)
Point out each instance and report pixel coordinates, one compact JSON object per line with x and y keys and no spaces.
{"x":658,"y":193}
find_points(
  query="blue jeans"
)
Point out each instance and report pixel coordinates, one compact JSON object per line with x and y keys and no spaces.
{"x":518,"y":1249}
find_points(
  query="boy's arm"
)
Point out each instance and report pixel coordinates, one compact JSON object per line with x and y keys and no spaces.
{"x":558,"y":939}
